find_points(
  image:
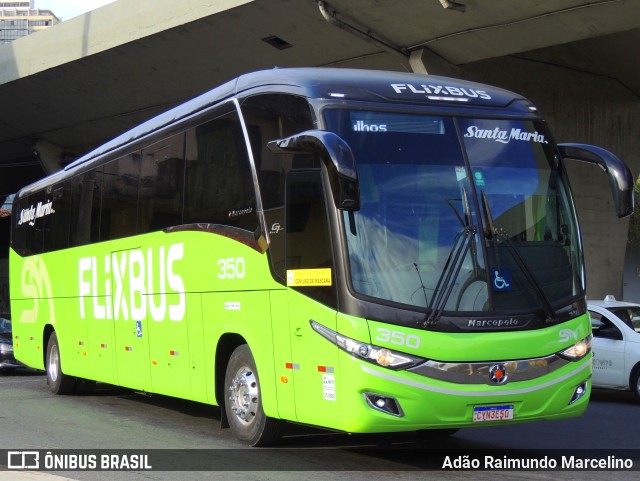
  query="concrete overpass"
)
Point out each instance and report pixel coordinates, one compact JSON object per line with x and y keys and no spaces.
{"x":73,"y":86}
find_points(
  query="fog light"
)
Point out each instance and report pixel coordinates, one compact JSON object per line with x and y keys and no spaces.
{"x":580,"y":391}
{"x":384,"y":403}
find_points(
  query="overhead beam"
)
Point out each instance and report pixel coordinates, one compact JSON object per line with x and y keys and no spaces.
{"x":426,"y":61}
{"x":95,"y":32}
{"x":362,"y":32}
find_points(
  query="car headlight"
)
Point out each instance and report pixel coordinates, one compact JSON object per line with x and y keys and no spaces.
{"x":579,"y":350}
{"x":374,"y":354}
{"x":5,"y":348}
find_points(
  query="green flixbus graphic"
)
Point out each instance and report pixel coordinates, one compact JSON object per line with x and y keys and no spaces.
{"x":309,"y":251}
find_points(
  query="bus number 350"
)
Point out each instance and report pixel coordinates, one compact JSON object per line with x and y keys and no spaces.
{"x":231,"y":268}
{"x":398,"y":338}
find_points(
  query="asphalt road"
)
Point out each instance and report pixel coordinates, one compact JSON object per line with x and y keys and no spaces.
{"x":188,"y":433}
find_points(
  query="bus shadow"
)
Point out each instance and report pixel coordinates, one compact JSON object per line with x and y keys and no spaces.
{"x":20,"y":372}
{"x":182,"y":406}
{"x":295,"y":436}
{"x":298,"y":438}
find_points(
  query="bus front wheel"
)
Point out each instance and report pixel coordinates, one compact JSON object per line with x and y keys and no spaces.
{"x":58,"y":382}
{"x":243,"y":402}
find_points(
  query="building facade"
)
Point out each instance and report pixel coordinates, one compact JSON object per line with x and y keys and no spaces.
{"x":19,"y":18}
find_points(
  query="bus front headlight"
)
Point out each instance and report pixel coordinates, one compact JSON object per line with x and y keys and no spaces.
{"x":579,"y":350}
{"x":374,"y":354}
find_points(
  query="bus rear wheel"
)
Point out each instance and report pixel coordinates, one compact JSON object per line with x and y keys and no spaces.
{"x":58,"y":382}
{"x":243,"y":402}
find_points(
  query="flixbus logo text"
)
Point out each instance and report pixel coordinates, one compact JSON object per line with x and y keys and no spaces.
{"x":132,"y":284}
{"x":441,"y":90}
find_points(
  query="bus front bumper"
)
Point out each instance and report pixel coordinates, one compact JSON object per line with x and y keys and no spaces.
{"x":402,"y":401}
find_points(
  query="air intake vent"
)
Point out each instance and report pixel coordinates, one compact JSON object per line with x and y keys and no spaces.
{"x":277,"y":42}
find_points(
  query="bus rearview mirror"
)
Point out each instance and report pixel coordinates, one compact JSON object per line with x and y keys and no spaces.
{"x":337,"y":156}
{"x":620,"y":177}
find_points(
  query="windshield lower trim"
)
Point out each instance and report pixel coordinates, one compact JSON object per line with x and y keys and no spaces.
{"x":380,"y":310}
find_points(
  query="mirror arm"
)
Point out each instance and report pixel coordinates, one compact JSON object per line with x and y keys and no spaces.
{"x":337,"y":156}
{"x":620,"y":178}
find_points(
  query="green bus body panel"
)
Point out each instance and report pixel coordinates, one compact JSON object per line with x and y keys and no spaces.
{"x":330,"y":385}
{"x":147,"y":317}
{"x":151,"y":318}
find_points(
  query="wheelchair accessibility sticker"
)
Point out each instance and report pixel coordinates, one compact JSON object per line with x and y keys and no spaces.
{"x":501,"y":279}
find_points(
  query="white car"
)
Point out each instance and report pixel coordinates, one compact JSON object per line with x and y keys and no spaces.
{"x":616,"y":344}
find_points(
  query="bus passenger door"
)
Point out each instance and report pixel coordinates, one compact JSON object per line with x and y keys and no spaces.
{"x":168,"y":338}
{"x":130,"y":323}
{"x":311,"y":296}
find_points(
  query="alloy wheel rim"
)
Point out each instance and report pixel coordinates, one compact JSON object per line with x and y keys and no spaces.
{"x":54,"y":359}
{"x":243,"y":395}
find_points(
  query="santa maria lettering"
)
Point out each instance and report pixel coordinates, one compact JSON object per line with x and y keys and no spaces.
{"x":505,"y":136}
{"x":29,"y":216}
{"x":132,"y":284}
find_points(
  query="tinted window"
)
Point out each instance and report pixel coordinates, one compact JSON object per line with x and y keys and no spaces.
{"x":19,"y":231}
{"x":271,"y":117}
{"x":56,"y":225}
{"x":84,"y":212}
{"x":120,"y":197}
{"x":219,"y":185}
{"x":32,"y":219}
{"x":308,"y":243}
{"x":162,"y":184}
{"x":5,"y":225}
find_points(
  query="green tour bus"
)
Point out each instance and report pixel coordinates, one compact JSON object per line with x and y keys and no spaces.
{"x":357,"y":250}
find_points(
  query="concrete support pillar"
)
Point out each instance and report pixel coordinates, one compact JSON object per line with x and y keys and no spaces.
{"x":51,"y":156}
{"x":426,"y":61}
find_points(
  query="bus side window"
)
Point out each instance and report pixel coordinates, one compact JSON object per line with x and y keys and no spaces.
{"x":19,"y":229}
{"x":85,"y":190}
{"x":56,"y":224}
{"x":35,"y":225}
{"x":308,"y":244}
{"x":119,"y":213}
{"x":270,"y":117}
{"x":161,"y":185}
{"x":219,"y":185}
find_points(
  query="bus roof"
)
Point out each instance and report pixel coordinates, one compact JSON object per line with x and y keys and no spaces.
{"x":320,"y":83}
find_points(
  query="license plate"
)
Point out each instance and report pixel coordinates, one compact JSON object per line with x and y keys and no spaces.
{"x":482,"y":414}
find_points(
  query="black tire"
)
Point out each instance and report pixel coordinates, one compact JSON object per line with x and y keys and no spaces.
{"x":635,"y":384}
{"x":243,"y":402}
{"x":58,"y":382}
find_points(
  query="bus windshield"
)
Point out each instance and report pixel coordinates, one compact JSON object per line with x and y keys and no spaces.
{"x":459,"y":214}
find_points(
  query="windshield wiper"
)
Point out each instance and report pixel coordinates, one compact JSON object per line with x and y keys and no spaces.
{"x":461,"y":245}
{"x":499,"y":234}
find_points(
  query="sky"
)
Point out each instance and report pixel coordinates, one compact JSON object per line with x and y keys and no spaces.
{"x":66,"y":9}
